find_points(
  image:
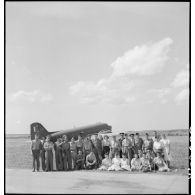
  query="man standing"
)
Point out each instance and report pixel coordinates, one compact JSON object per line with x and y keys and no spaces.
{"x":48,"y":146}
{"x":98,"y":147}
{"x":67,"y":161}
{"x":148,"y":143}
{"x":36,"y":147}
{"x":79,"y":143}
{"x":73,"y":150}
{"x":138,"y":143}
{"x":120,"y":141}
{"x":87,"y":146}
{"x":58,"y":154}
{"x":43,"y":155}
{"x":127,"y":148}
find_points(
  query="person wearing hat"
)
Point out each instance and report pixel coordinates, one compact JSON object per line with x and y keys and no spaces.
{"x":148,"y":143}
{"x":138,"y":143}
{"x":58,"y":154}
{"x":98,"y":149}
{"x":106,"y":145}
{"x":87,"y":146}
{"x":127,"y":148}
{"x":80,"y":160}
{"x":120,"y":141}
{"x":36,"y":147}
{"x":48,"y":146}
{"x":73,"y":150}
{"x":114,"y":147}
{"x":79,"y":143}
{"x":67,"y":160}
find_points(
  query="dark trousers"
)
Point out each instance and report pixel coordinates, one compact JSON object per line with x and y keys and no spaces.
{"x":36,"y":155}
{"x":80,"y":164}
{"x":91,"y":166}
{"x":106,"y":149}
{"x":49,"y":160}
{"x":67,"y":161}
{"x":59,"y":161}
{"x":43,"y":160}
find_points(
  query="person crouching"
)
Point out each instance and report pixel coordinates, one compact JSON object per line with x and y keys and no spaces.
{"x":91,"y":161}
{"x":80,"y":159}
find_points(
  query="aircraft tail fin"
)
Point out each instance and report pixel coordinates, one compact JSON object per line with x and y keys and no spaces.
{"x":37,"y":128}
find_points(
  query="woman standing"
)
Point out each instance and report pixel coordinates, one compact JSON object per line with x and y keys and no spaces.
{"x":106,"y":145}
{"x":166,"y":149}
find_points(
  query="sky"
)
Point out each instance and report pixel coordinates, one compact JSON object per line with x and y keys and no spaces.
{"x":70,"y":64}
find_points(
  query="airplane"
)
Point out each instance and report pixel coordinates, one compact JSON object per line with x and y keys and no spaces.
{"x":37,"y":128}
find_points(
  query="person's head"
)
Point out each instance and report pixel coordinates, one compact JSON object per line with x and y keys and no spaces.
{"x":106,"y":156}
{"x":124,"y":156}
{"x":48,"y":138}
{"x":137,"y":135}
{"x":140,"y":153}
{"x":58,"y":139}
{"x":80,"y":152}
{"x":164,"y":136}
{"x":158,"y":154}
{"x":158,"y":138}
{"x":122,"y":135}
{"x":132,"y":136}
{"x":79,"y":137}
{"x":144,"y":155}
{"x":105,"y":137}
{"x":89,"y":137}
{"x":95,"y":136}
{"x":114,"y":138}
{"x":147,"y":135}
{"x":148,"y":154}
{"x":136,"y":155}
{"x":72,"y":139}
{"x":43,"y":138}
{"x":36,"y":136}
{"x":126,"y":136}
{"x":65,"y":137}
{"x":117,"y":155}
{"x":100,"y":137}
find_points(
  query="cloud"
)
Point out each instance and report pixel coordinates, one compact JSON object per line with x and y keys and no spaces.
{"x":30,"y":96}
{"x":117,"y":88}
{"x":182,"y":78}
{"x":143,"y":60}
{"x":161,"y":94}
{"x":182,"y":95}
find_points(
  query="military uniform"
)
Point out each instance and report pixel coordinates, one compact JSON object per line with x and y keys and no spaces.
{"x":58,"y":155}
{"x":67,"y":161}
{"x":73,"y":150}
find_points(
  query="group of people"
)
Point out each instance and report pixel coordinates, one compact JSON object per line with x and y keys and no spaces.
{"x":129,"y":152}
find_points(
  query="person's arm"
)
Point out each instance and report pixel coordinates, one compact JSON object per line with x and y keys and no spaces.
{"x":31,"y":146}
{"x":169,"y":147}
{"x":94,"y":160}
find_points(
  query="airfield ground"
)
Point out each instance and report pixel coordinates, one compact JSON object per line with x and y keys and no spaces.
{"x":87,"y":182}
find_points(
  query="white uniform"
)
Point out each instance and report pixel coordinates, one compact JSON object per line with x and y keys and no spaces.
{"x":116,"y":165}
{"x":125,"y":165}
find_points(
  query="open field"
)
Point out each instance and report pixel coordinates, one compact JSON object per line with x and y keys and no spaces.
{"x":93,"y":182}
{"x":18,"y":153}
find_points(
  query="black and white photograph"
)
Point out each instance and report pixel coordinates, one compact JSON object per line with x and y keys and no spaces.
{"x":97,"y":97}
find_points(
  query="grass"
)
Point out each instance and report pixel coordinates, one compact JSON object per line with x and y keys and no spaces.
{"x":18,"y":153}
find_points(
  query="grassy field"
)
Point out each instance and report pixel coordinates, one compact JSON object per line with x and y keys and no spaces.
{"x":18,"y":153}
